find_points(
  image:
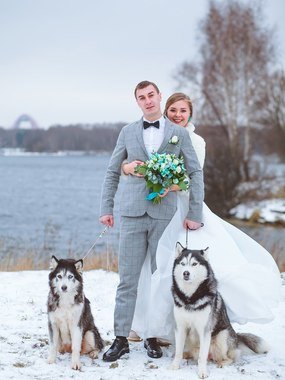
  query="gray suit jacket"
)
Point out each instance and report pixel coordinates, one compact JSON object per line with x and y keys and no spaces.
{"x":130,"y":146}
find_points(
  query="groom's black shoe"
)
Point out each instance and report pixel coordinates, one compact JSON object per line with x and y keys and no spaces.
{"x":153,"y":348}
{"x":119,"y":347}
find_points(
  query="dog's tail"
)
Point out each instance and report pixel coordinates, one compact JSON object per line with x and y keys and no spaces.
{"x":253,"y":342}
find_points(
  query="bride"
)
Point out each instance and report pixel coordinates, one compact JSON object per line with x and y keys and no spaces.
{"x":248,"y":277}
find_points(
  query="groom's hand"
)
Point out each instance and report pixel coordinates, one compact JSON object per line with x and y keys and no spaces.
{"x":189,"y":224}
{"x":107,"y":220}
{"x":130,"y":168}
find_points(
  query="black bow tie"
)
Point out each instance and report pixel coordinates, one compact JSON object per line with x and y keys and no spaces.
{"x":146,"y":124}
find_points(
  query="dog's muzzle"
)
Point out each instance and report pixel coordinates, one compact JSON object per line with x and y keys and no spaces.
{"x":186,"y":275}
{"x":64,"y":288}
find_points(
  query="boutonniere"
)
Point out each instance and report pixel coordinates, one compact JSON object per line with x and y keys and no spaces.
{"x":174,"y":140}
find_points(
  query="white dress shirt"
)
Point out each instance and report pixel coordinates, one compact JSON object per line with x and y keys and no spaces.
{"x":153,"y":137}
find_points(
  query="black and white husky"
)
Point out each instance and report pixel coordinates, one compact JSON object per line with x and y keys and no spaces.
{"x":202,"y":325}
{"x":70,"y":321}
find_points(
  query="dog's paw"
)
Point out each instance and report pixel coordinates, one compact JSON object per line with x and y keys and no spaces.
{"x":222,"y":363}
{"x":51,"y":359}
{"x":76,"y":365}
{"x":94,"y":354}
{"x":174,"y":366}
{"x":203,"y":373}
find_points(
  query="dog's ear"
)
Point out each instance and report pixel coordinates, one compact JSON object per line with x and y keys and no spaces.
{"x":53,"y":263}
{"x":204,"y":253}
{"x":79,"y":266}
{"x":178,"y":249}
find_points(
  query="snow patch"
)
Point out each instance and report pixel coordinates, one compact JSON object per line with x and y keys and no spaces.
{"x":270,"y":211}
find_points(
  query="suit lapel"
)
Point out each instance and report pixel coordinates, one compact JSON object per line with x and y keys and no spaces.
{"x":168,"y":130}
{"x":139,"y":135}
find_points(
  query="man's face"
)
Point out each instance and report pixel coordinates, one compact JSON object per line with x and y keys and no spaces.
{"x":149,"y":102}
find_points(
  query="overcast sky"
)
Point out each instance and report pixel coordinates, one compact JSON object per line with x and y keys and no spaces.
{"x":69,"y":61}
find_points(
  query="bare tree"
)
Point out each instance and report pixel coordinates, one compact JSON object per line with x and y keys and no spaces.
{"x":236,"y":52}
{"x":274,"y":107}
{"x":276,"y":99}
{"x":230,"y":75}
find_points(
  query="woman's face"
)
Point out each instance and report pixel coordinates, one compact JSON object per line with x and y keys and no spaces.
{"x":179,"y":113}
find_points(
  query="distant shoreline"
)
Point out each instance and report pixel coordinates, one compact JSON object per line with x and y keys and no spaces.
{"x":19,"y":152}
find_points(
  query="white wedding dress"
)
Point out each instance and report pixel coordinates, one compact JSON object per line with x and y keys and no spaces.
{"x":248,"y":277}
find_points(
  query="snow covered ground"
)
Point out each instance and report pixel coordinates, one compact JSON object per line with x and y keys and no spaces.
{"x":270,"y":211}
{"x":24,"y":337}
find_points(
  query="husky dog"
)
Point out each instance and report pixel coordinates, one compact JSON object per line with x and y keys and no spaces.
{"x":70,"y":321}
{"x":202,"y":323}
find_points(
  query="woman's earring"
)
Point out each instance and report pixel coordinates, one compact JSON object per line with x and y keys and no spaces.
{"x":189,"y":118}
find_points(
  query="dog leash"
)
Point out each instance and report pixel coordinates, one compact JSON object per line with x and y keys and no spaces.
{"x":93,"y":245}
{"x":187,"y":229}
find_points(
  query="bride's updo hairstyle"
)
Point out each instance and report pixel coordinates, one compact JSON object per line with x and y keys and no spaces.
{"x":175,"y":98}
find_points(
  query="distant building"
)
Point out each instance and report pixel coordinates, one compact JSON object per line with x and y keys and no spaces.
{"x":25,"y":122}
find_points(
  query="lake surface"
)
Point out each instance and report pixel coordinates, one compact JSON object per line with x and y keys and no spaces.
{"x":51,"y":200}
{"x":50,"y":204}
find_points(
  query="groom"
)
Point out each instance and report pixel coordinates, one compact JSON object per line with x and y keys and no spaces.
{"x":142,"y":222}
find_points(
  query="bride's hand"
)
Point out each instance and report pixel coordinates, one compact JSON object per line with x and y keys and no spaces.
{"x":166,"y":191}
{"x":130,"y":168}
{"x":191,"y":225}
{"x":175,"y":188}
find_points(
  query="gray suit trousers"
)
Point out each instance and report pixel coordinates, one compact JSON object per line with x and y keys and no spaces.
{"x":138,"y":236}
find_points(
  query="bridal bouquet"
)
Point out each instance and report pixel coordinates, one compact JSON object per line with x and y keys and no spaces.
{"x":160,"y":172}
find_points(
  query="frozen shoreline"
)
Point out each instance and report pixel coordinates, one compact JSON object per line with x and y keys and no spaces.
{"x":268,"y":211}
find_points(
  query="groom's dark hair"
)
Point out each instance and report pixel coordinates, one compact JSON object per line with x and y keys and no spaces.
{"x":144,"y":84}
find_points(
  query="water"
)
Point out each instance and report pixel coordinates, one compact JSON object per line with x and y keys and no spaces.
{"x":52,"y":200}
{"x":50,"y":204}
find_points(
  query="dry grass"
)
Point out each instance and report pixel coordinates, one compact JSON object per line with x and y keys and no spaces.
{"x":107,"y":261}
{"x":11,"y":262}
{"x":255,"y":216}
{"x":38,"y":258}
{"x":280,"y":193}
{"x":19,"y":255}
{"x":20,"y":264}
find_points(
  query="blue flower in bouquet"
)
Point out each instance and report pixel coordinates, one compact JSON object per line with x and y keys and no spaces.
{"x":160,"y":172}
